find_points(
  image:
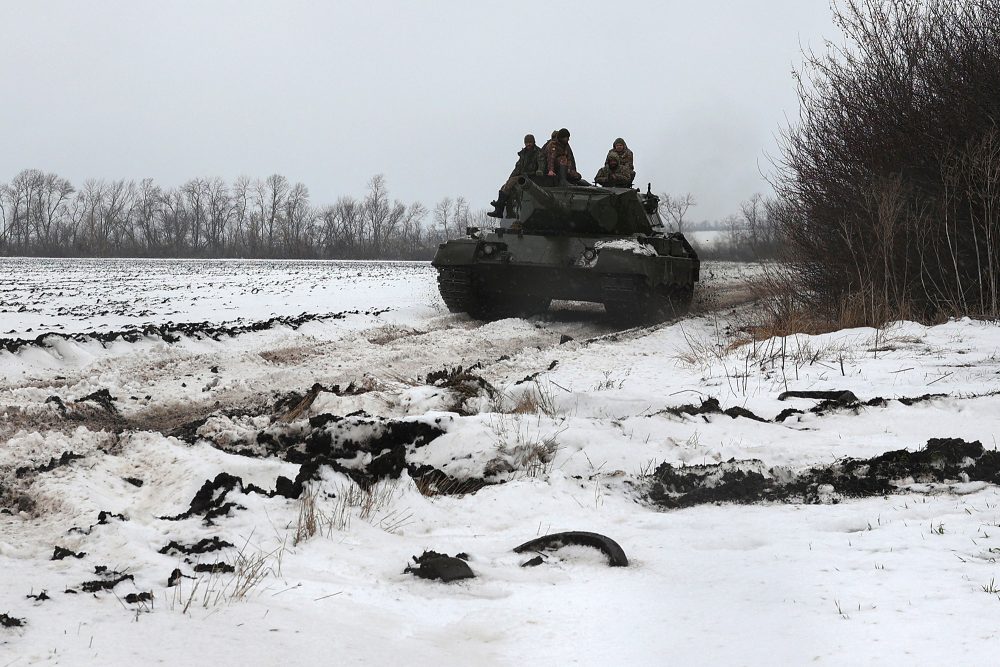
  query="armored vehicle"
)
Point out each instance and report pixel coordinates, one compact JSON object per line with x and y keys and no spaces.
{"x":572,"y":242}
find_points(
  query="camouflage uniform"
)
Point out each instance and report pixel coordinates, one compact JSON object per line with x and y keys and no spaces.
{"x":530,"y":162}
{"x":626,"y":159}
{"x":613,"y":175}
{"x":560,"y":156}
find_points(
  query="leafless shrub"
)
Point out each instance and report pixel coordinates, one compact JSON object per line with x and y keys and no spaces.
{"x":888,"y":187}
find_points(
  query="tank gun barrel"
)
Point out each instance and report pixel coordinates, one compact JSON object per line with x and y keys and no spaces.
{"x":541,"y":197}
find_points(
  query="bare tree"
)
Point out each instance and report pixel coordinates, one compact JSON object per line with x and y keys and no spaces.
{"x":269,"y":197}
{"x":676,"y":207}
{"x":220,"y":212}
{"x":298,"y":217}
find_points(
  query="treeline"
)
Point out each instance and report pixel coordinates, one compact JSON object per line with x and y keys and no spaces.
{"x":44,"y":214}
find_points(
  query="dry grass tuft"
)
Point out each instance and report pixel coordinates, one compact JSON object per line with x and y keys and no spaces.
{"x":328,"y":513}
{"x":521,"y":449}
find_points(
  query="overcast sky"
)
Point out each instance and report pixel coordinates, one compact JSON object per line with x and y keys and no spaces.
{"x":435,"y":95}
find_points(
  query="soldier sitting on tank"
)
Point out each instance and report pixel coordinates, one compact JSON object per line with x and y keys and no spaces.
{"x":625,"y":157}
{"x":613,"y":175}
{"x":561,"y":163}
{"x":530,"y":162}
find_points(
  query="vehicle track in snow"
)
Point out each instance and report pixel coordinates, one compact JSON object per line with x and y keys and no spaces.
{"x":160,"y":386}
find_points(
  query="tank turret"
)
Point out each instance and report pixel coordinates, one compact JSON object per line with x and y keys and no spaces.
{"x":582,"y":209}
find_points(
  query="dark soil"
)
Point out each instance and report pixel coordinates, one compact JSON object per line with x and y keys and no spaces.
{"x":202,"y":546}
{"x":942,"y":460}
{"x":829,"y":401}
{"x":108,"y":582}
{"x":326,"y":440}
{"x":434,"y":565}
{"x":103,"y":398}
{"x":8,"y":621}
{"x":103,"y":518}
{"x":171,"y":333}
{"x":214,"y":568}
{"x":64,"y":459}
{"x":59,"y":553}
{"x":176,"y":576}
{"x":710,"y":406}
{"x":209,"y":501}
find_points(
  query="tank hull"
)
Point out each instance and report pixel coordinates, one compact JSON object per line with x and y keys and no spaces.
{"x":509,"y":273}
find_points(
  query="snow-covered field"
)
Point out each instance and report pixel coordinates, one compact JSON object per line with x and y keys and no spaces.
{"x":554,"y":423}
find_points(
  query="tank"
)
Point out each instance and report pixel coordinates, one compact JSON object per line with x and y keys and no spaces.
{"x":571,"y":242}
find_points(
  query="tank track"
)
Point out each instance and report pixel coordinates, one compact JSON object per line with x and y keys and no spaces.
{"x":458,"y":290}
{"x":462,"y":293}
{"x":629,"y":299}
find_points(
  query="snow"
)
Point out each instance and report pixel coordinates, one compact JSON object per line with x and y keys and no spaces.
{"x":902,"y":578}
{"x":627,"y":245}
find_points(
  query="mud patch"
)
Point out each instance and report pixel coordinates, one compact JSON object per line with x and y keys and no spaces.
{"x":103,"y":518}
{"x":942,"y":460}
{"x":64,"y":459}
{"x":171,"y":333}
{"x":109,"y":579}
{"x":711,"y":406}
{"x":363,"y":447}
{"x":103,"y":398}
{"x":200,"y":547}
{"x":214,"y":568}
{"x":9,"y":621}
{"x":59,"y":553}
{"x":829,"y":401}
{"x":209,"y":501}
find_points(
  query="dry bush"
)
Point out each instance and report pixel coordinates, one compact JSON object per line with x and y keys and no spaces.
{"x":782,"y":308}
{"x":888,"y":185}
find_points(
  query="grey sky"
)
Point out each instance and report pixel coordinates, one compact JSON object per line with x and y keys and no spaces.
{"x":435,"y":95}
